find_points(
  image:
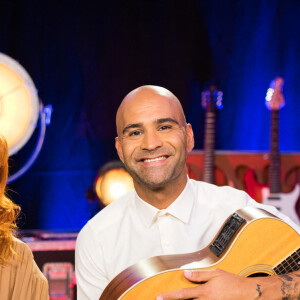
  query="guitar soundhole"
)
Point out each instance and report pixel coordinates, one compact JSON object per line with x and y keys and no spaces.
{"x":259,"y":275}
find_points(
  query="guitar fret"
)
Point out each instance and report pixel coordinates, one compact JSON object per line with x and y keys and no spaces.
{"x":290,"y":264}
{"x":295,"y":259}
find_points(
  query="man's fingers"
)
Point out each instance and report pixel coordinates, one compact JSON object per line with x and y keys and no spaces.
{"x":200,"y":276}
{"x":191,"y":293}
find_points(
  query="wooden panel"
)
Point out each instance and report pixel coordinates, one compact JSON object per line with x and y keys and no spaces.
{"x":230,"y":167}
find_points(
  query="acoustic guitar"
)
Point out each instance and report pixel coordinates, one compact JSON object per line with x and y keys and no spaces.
{"x":271,"y":194}
{"x":251,"y":242}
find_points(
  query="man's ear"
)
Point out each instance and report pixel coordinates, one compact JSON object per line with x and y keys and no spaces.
{"x":190,"y":138}
{"x":119,"y":148}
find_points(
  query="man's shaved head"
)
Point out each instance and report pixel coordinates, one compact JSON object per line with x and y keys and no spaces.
{"x":153,"y":141}
{"x":145,"y":94}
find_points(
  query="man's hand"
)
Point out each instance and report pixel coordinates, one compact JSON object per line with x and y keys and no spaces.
{"x":215,"y":285}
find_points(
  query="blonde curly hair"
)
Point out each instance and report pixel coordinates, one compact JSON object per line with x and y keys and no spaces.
{"x":9,"y":211}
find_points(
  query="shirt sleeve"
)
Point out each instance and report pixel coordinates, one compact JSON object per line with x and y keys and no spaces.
{"x":89,"y":266}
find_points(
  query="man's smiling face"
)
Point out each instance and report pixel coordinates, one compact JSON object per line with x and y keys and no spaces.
{"x":153,"y":138}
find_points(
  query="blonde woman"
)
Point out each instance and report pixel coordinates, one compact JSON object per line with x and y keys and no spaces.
{"x":20,"y":278}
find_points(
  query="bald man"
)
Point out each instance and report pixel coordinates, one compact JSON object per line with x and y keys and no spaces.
{"x":166,"y":213}
{"x":153,"y":139}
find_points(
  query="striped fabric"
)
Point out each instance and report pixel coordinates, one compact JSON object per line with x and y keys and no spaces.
{"x":21,"y":279}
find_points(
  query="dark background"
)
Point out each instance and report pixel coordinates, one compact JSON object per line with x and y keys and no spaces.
{"x":85,"y":56}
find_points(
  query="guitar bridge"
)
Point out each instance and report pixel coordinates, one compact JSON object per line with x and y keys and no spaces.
{"x":227,"y":232}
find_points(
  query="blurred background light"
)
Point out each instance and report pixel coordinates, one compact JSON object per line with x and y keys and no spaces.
{"x":20,"y":109}
{"x":111,"y":182}
{"x":19,"y":104}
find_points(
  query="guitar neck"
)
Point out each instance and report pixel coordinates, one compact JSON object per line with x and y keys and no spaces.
{"x":209,"y":146}
{"x":288,"y":265}
{"x":274,"y":171}
{"x":211,"y":100}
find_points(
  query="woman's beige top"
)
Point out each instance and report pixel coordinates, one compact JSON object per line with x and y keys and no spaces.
{"x":21,"y":279}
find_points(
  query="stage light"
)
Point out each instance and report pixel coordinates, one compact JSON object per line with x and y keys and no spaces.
{"x":20,"y":109}
{"x":19,"y":104}
{"x":112,"y":181}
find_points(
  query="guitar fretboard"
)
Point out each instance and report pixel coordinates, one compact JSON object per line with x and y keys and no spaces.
{"x":274,"y":171}
{"x":209,"y":146}
{"x":290,"y":264}
{"x":211,"y":100}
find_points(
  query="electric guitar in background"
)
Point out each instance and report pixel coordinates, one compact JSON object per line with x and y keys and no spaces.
{"x":271,"y":195}
{"x":211,"y":101}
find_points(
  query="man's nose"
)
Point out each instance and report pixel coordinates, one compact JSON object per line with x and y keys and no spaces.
{"x":151,"y":141}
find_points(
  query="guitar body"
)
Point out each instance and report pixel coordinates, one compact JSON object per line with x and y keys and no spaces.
{"x":260,"y":245}
{"x":252,"y":187}
{"x":284,"y":202}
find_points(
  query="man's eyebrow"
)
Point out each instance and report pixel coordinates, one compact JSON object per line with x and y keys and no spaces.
{"x":158,"y":121}
{"x":130,"y":126}
{"x":165,"y":120}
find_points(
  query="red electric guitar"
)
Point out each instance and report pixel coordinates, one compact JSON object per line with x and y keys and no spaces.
{"x":271,"y":195}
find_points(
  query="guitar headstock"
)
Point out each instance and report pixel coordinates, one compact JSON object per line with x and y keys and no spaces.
{"x":274,"y":97}
{"x":212,"y":98}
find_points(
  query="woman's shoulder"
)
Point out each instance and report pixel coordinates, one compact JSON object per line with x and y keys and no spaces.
{"x":21,"y":248}
{"x":25,"y":269}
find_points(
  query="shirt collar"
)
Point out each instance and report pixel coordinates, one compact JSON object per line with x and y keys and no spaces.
{"x":181,"y":208}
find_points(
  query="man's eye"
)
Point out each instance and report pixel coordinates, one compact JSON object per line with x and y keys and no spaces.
{"x":136,"y":132}
{"x":164,"y":127}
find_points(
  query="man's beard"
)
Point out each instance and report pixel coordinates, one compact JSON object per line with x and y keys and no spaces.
{"x":154,"y":182}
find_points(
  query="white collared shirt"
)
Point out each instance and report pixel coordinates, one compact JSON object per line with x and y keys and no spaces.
{"x":130,"y":229}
